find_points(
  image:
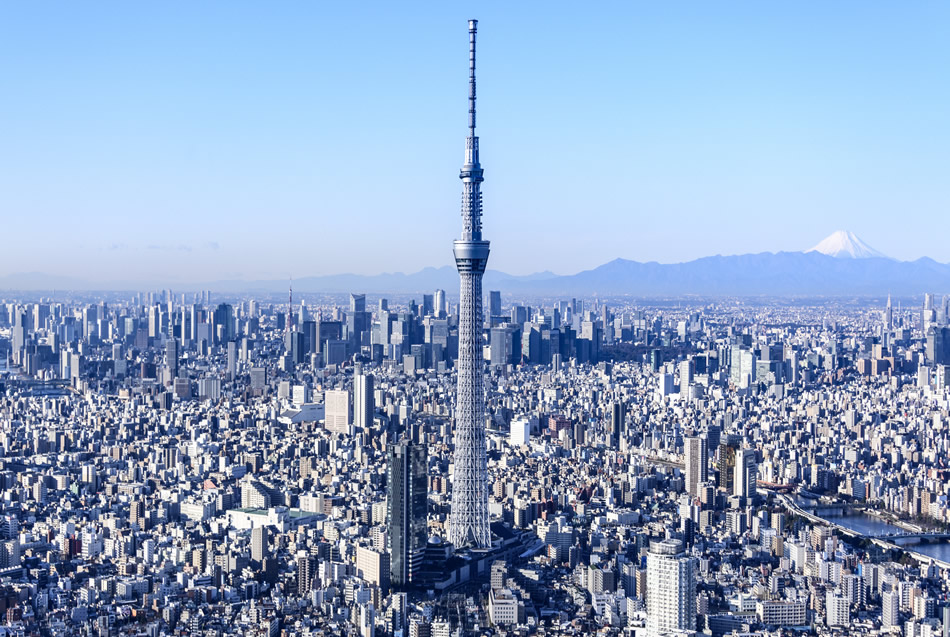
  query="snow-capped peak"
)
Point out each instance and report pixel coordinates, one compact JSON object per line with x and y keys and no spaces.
{"x":846,"y":245}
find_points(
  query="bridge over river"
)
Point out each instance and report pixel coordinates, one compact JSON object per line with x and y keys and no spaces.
{"x":880,"y":532}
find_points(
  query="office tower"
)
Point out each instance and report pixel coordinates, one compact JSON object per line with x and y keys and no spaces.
{"x":671,"y":589}
{"x":40,"y":316}
{"x":19,"y":332}
{"x":938,"y":345}
{"x":746,"y":473}
{"x":223,"y":324}
{"x":889,"y":315}
{"x":364,"y":401}
{"x":469,"y":521}
{"x":337,"y":411}
{"x":90,"y":317}
{"x":494,"y":304}
{"x":686,"y":375}
{"x":154,"y":325}
{"x":428,"y":305}
{"x":500,"y":346}
{"x":440,"y":303}
{"x":259,"y":539}
{"x":406,"y":509}
{"x":696,"y":463}
{"x":193,"y":323}
{"x":232,"y":359}
{"x":358,"y":322}
{"x":728,"y":448}
{"x":184,"y":333}
{"x":618,"y":414}
{"x":171,"y":357}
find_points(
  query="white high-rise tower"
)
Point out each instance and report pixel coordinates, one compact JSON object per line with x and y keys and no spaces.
{"x":469,"y":521}
{"x":671,"y":589}
{"x":696,"y":463}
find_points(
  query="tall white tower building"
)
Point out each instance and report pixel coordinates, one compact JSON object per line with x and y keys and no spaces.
{"x":746,"y":473}
{"x":671,"y":589}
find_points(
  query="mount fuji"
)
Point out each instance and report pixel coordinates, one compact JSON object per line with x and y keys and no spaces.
{"x":844,"y":244}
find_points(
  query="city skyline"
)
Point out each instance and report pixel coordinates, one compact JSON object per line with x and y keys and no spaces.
{"x":125,"y":155}
{"x":750,"y":444}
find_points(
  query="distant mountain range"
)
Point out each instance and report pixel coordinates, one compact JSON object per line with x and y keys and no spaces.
{"x":840,"y":265}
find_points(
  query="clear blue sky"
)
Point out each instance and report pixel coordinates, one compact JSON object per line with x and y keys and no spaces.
{"x":206,"y":140}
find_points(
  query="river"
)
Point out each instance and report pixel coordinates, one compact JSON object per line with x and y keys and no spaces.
{"x":870,"y":525}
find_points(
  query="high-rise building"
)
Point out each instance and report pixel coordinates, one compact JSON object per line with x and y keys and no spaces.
{"x":19,"y":332}
{"x":618,"y":414}
{"x":469,"y":513}
{"x":406,"y":509}
{"x":494,"y":303}
{"x":373,"y":566}
{"x":90,"y":317}
{"x":223,"y":324}
{"x":671,"y":589}
{"x":232,"y":359}
{"x":364,"y":401}
{"x":728,"y":448}
{"x":259,"y":539}
{"x":305,"y":572}
{"x":193,"y":322}
{"x":171,"y":356}
{"x":746,"y":473}
{"x":837,"y":609}
{"x":337,"y":414}
{"x":696,"y":463}
{"x":938,"y":345}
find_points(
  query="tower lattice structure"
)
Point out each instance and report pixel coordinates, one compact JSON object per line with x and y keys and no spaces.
{"x":469,"y":521}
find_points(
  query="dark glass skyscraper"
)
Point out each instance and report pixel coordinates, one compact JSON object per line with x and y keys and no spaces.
{"x":618,"y":413}
{"x":407,"y":508}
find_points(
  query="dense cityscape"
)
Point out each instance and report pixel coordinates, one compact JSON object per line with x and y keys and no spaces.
{"x":181,"y":462}
{"x":177,"y":465}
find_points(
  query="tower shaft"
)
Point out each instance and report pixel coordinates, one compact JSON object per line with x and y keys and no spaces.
{"x":469,"y":521}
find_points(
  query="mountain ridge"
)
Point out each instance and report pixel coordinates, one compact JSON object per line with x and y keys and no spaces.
{"x":754,"y":274}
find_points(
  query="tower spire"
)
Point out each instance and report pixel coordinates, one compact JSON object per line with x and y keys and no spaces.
{"x":472,"y":30}
{"x":471,"y":173}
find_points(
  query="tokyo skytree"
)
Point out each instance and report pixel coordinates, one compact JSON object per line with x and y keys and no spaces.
{"x":469,"y":521}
